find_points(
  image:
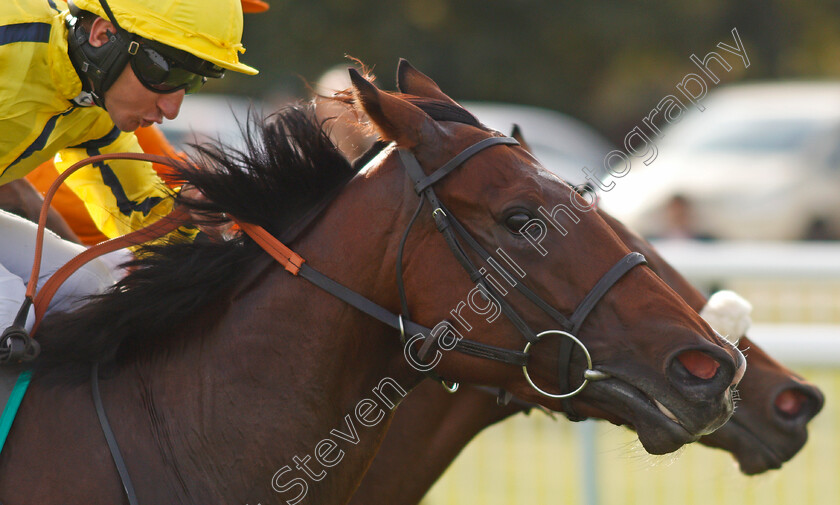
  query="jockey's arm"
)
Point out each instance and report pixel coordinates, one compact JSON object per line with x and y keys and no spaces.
{"x":22,"y":198}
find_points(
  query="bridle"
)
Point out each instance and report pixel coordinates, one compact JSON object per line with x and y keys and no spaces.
{"x":452,"y":230}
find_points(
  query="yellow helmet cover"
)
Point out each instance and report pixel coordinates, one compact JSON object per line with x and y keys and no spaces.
{"x":208,"y":29}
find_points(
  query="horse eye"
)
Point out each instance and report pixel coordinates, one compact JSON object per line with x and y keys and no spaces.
{"x":515,"y":222}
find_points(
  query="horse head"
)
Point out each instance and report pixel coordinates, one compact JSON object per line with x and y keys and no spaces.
{"x":770,"y":424}
{"x":655,"y":364}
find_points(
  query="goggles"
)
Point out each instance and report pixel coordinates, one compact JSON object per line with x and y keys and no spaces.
{"x":163,"y":74}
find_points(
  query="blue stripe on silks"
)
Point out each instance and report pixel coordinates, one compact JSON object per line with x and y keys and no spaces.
{"x":39,"y":142}
{"x":101,"y":142}
{"x":125,"y":205}
{"x":24,"y":32}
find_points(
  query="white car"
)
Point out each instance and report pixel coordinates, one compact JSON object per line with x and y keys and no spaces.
{"x":761,"y":162}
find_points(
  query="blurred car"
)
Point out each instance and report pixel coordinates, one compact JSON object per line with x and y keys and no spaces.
{"x":762,"y":162}
{"x":560,"y":142}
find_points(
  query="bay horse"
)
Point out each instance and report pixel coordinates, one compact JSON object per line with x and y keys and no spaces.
{"x":431,"y":426}
{"x":224,"y":375}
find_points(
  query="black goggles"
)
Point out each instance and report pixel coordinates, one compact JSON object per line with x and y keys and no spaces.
{"x":163,"y":74}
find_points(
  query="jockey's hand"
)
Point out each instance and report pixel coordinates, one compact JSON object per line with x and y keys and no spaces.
{"x":214,"y":225}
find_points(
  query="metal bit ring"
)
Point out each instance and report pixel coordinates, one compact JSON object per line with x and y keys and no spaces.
{"x":589,"y":370}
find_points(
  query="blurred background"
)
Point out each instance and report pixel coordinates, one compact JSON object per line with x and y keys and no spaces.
{"x":603,"y":62}
{"x":770,"y":152}
{"x":744,"y":195}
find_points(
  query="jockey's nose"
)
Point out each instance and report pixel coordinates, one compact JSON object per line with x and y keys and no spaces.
{"x":170,"y":103}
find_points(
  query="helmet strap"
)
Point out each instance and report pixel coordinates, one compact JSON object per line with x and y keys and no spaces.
{"x":100,"y":66}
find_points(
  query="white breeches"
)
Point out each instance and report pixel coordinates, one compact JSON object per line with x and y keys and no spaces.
{"x":17,"y":249}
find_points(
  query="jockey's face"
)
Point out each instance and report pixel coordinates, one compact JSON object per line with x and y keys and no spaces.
{"x":132,"y":105}
{"x":129,"y":103}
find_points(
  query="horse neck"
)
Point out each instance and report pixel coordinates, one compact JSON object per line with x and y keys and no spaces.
{"x":284,"y":365}
{"x":248,"y":383}
{"x":428,"y":432}
{"x":662,"y":268}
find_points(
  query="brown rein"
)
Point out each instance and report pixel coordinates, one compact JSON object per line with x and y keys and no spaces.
{"x":288,"y":258}
{"x":40,"y":300}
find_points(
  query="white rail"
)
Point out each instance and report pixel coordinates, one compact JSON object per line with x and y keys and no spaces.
{"x":713,"y":261}
{"x":709,"y":263}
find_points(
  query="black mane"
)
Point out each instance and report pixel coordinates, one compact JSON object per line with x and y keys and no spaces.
{"x":287,"y":171}
{"x":287,"y":168}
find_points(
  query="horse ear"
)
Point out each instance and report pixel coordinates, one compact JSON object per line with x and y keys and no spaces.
{"x":414,"y":82}
{"x":517,"y":134}
{"x":395,"y":118}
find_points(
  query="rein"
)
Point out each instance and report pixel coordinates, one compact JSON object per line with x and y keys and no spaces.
{"x":20,"y":346}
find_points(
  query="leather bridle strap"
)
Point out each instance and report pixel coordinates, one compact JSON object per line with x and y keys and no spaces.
{"x":406,"y":326}
{"x":566,"y":323}
{"x":290,"y":260}
{"x":572,"y":324}
{"x":422,"y":182}
{"x":42,"y":218}
{"x":111,"y":440}
{"x":162,"y":226}
{"x":449,"y":226}
{"x":603,"y":285}
{"x":588,"y":303}
{"x":443,"y":222}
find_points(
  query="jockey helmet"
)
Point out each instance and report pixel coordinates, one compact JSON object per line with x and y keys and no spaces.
{"x":170,"y":44}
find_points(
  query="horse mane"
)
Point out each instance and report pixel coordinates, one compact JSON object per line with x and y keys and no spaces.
{"x":287,"y":171}
{"x":286,"y":168}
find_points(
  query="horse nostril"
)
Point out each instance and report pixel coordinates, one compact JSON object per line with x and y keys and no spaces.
{"x":701,"y":374}
{"x":699,"y":364}
{"x":796,"y":405}
{"x":789,"y":403}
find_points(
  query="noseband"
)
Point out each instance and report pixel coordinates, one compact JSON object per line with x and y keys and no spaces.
{"x":452,"y":230}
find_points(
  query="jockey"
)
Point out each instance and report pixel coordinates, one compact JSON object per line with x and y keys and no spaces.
{"x":82,"y":229}
{"x":78,"y":79}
